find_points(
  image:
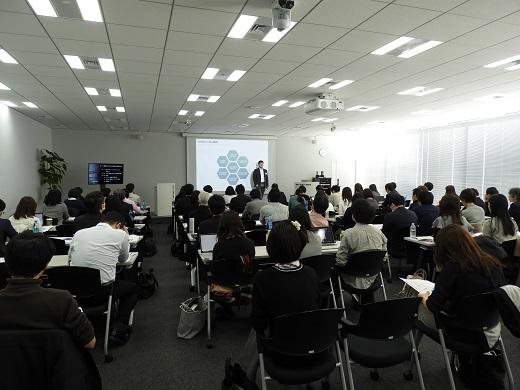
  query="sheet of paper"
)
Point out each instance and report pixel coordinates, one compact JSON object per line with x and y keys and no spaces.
{"x":419,"y":285}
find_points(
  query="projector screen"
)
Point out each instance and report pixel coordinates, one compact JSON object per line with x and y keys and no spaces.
{"x":228,"y":162}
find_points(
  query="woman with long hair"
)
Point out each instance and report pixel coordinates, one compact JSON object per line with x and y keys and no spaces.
{"x":358,"y":187}
{"x":313,"y":246}
{"x":346,"y":200}
{"x":449,"y":213}
{"x":23,"y":218}
{"x":500,"y":227}
{"x":54,"y":208}
{"x":374,"y":190}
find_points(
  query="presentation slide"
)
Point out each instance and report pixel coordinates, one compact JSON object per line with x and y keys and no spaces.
{"x":228,"y":162}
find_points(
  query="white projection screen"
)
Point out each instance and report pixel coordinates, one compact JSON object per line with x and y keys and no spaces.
{"x":222,"y":162}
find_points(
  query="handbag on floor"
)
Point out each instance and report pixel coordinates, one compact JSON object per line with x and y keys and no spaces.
{"x":407,"y":290}
{"x":236,"y":378}
{"x":193,"y":317}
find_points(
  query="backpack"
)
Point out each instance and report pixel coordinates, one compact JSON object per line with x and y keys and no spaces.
{"x":147,"y":283}
{"x":149,"y":247}
{"x":508,"y":301}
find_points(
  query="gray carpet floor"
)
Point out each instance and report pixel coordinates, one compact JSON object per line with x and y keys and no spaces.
{"x":156,"y":359}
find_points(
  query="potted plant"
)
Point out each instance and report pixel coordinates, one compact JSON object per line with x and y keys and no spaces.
{"x":52,"y":169}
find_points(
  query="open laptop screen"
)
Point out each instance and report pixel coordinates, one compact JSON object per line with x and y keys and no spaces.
{"x":326,"y":235}
{"x":207,"y":242}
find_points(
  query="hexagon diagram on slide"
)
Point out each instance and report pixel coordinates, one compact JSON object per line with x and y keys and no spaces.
{"x":232,"y":167}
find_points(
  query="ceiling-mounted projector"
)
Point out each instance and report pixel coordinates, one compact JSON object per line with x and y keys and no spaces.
{"x":323,"y":104}
{"x":282,"y":13}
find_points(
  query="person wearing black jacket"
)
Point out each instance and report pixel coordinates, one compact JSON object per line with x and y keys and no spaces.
{"x":217,"y":206}
{"x":479,"y":202}
{"x":260,"y":178}
{"x":74,"y":204}
{"x":426,"y":213}
{"x":390,"y":189}
{"x":238,"y":203}
{"x":514,"y":208}
{"x":489,"y":193}
{"x":202,"y":212}
{"x":94,"y":203}
{"x":183,"y":201}
{"x":396,"y":225}
{"x":232,"y":241}
{"x":6,"y":229}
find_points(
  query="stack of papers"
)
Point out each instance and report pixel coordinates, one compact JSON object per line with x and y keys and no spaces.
{"x":420,"y":285}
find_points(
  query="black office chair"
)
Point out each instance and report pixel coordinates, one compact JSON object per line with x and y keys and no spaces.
{"x":296,"y":354}
{"x":323,"y":266}
{"x":362,"y":264}
{"x":65,"y":230}
{"x":85,"y":285}
{"x":511,"y":263}
{"x":259,"y":236}
{"x":4,"y":275}
{"x":474,"y":315}
{"x":397,"y":250}
{"x":45,"y":359}
{"x":383,"y":337}
{"x":230,"y":273}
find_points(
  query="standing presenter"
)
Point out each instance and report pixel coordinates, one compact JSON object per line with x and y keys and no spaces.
{"x":260,"y":179}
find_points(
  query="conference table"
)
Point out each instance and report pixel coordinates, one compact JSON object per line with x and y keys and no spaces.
{"x":133,"y":239}
{"x":63,"y":261}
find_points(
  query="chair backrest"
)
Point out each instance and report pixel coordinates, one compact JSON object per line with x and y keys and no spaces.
{"x":305,"y":333}
{"x":477,"y":312}
{"x":387,"y":319}
{"x":230,"y":272}
{"x":364,"y":264}
{"x":509,"y":247}
{"x":82,"y":282}
{"x":397,"y":248}
{"x":321,"y":264}
{"x":4,"y":275}
{"x":65,"y":230}
{"x":45,"y":359}
{"x":258,"y":236}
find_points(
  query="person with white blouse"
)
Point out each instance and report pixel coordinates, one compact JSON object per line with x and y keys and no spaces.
{"x":23,"y":218}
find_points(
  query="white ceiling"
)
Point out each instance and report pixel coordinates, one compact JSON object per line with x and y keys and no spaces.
{"x":162,"y":47}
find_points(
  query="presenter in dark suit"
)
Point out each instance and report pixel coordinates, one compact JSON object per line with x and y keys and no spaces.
{"x":260,"y":179}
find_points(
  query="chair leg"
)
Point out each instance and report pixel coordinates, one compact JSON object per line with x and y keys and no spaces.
{"x":383,"y":285}
{"x":341,"y":369}
{"x":262,"y":371}
{"x":389,"y":269}
{"x":108,"y":356}
{"x":349,"y":367}
{"x":209,"y":344}
{"x":508,"y":367}
{"x":342,"y":299}
{"x":416,"y":358}
{"x":333,"y":295}
{"x":446,"y":359}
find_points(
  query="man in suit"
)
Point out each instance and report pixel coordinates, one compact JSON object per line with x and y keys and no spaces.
{"x":396,"y":225}
{"x":260,"y":179}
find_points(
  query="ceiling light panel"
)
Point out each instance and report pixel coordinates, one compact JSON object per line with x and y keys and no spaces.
{"x":419,"y":49}
{"x":107,"y":64}
{"x":420,"y":91}
{"x":236,"y":75}
{"x":213,"y":99}
{"x":43,"y":8}
{"x":8,"y":103}
{"x":193,"y":98}
{"x":392,"y":45}
{"x":201,"y":98}
{"x":320,"y":82}
{"x":363,"y":108}
{"x":261,"y":116}
{"x":183,"y":112}
{"x":280,"y":103}
{"x":92,"y":91}
{"x":199,"y":113}
{"x":297,"y":104}
{"x":4,"y":87}
{"x":115,"y":92}
{"x":274,"y":35}
{"x":503,"y":62}
{"x":6,"y":58}
{"x":209,"y":73}
{"x":514,"y":67}
{"x":330,"y":120}
{"x":406,"y":47}
{"x":30,"y":105}
{"x":74,"y":62}
{"x":341,"y":84}
{"x":90,"y":10}
{"x":101,"y":108}
{"x":120,"y":109}
{"x":242,"y":26}
{"x":490,"y":98}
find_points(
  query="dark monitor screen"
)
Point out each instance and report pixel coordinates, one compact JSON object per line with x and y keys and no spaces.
{"x":105,"y":173}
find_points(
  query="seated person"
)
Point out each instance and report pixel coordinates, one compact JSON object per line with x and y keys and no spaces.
{"x":348,"y":222}
{"x":208,"y":189}
{"x":335,"y":196}
{"x":313,"y":240}
{"x":500,"y":227}
{"x":299,"y":194}
{"x":6,"y":229}
{"x":23,"y":218}
{"x":450,"y":190}
{"x":102,"y":247}
{"x":449,"y":212}
{"x":238,"y":203}
{"x":288,"y":287}
{"x":274,"y":209}
{"x":94,"y":204}
{"x":490,"y":191}
{"x":28,"y":304}
{"x":320,"y":204}
{"x":478,"y":201}
{"x":229,"y":194}
{"x":415,"y":197}
{"x":183,"y":201}
{"x":130,"y":187}
{"x":135,"y":208}
{"x":514,"y":208}
{"x":373,"y":188}
{"x":106,"y":191}
{"x":465,"y":270}
{"x":396,"y":225}
{"x":390,"y":189}
{"x":361,"y":238}
{"x":54,"y":208}
{"x":474,"y":214}
{"x":74,"y":204}
{"x":202,"y":212}
{"x":217,"y":206}
{"x":115,"y":203}
{"x":232,"y":241}
{"x":346,"y":200}
{"x":367,"y":194}
{"x":426,"y":213}
{"x":252,"y":208}
{"x":283,"y":198}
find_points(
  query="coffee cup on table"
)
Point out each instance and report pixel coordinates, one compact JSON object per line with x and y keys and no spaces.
{"x":48,"y":221}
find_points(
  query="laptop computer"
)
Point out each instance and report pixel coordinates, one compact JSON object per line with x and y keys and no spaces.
{"x":40,"y":218}
{"x":207,"y":242}
{"x":327,"y":236}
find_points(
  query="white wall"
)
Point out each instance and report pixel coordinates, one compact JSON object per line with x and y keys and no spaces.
{"x":20,"y":141}
{"x":157,"y":158}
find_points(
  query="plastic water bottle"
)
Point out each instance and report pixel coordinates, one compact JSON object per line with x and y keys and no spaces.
{"x":413,"y":230}
{"x":35,"y":228}
{"x":269,"y":223}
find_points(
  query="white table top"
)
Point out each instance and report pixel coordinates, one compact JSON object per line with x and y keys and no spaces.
{"x":45,"y":229}
{"x":140,"y":218}
{"x":261,"y":252}
{"x":133,"y":239}
{"x":63,"y":261}
{"x":422,"y":240}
